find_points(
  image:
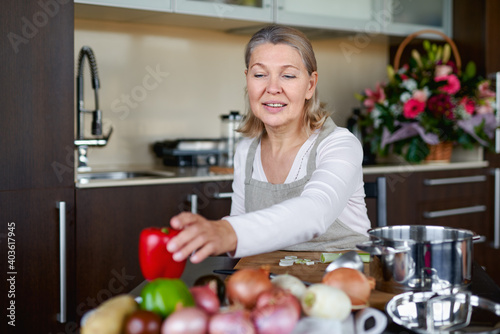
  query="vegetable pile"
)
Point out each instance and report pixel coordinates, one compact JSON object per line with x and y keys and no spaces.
{"x":249,"y":302}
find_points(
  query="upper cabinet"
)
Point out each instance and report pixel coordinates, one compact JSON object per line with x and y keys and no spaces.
{"x":387,"y":17}
{"x":373,"y":17}
{"x":403,"y":17}
{"x":249,"y":10}
{"x":156,"y":5}
{"x":343,"y":15}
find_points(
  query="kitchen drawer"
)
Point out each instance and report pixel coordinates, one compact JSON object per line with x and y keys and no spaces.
{"x":468,"y":214}
{"x":450,"y":185}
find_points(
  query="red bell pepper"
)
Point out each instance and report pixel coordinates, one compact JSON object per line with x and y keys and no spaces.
{"x":155,"y":260}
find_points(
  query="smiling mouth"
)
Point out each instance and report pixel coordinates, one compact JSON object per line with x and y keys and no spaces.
{"x":275,"y":105}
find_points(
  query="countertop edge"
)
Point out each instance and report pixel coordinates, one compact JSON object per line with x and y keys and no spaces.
{"x":406,"y":167}
{"x":192,"y":177}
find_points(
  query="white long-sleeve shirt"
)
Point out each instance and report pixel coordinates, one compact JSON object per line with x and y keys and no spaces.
{"x":335,"y":190}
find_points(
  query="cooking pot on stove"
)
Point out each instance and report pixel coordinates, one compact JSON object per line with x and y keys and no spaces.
{"x":420,"y":258}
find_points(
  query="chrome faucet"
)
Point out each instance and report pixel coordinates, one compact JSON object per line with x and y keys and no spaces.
{"x":81,"y":143}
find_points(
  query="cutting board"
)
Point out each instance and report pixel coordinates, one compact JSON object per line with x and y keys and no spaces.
{"x":310,"y":273}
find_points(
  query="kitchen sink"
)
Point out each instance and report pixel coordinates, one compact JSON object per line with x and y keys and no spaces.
{"x":121,"y":175}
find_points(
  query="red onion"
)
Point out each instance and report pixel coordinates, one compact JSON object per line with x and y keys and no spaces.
{"x":278,"y":296}
{"x":275,"y":318}
{"x":189,"y":320}
{"x":205,"y":298}
{"x":214,"y":283}
{"x":231,"y":322}
{"x":277,"y":311}
{"x":245,"y":285}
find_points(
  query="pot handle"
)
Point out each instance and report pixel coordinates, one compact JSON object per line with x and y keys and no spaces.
{"x":476,"y":239}
{"x":375,"y":248}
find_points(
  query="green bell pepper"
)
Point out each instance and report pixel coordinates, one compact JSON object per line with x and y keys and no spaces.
{"x":165,"y":295}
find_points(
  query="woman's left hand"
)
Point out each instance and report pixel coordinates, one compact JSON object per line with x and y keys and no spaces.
{"x":200,"y":237}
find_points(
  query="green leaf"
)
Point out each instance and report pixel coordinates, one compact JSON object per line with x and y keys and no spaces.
{"x":427,"y":45}
{"x":417,"y":150}
{"x":359,"y":97}
{"x":470,"y":71}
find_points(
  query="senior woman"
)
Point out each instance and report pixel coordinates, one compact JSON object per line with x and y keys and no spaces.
{"x":298,"y":182}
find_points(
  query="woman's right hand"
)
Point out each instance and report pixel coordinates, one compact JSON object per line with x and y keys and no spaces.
{"x":200,"y":237}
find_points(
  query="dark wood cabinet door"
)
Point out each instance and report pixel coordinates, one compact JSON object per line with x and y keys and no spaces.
{"x":455,"y":198}
{"x":36,"y":94}
{"x":109,"y":221}
{"x":30,"y":263}
{"x":214,"y":201}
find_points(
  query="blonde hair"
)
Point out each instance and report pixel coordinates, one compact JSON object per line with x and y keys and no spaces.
{"x":314,"y":111}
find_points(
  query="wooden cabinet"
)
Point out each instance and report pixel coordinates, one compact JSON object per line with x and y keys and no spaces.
{"x":36,"y":164}
{"x":478,"y":42}
{"x":109,"y":221}
{"x":213,"y":199}
{"x":454,"y":198}
{"x":30,"y":244}
{"x":36,"y":90}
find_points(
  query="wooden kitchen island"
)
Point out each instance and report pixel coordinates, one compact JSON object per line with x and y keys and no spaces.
{"x":482,"y":285}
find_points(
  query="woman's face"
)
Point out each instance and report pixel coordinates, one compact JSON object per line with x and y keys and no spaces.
{"x":278,"y":85}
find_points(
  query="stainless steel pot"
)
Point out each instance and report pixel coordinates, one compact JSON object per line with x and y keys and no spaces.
{"x":420,"y":258}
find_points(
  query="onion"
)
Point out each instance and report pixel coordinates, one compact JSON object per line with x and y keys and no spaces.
{"x":276,"y":311}
{"x":245,"y":285}
{"x":278,"y":296}
{"x":275,"y":319}
{"x":324,"y":301}
{"x":231,"y":322}
{"x":353,"y":282}
{"x":291,"y":283}
{"x":188,"y":320}
{"x":215,"y":283}
{"x":205,"y":298}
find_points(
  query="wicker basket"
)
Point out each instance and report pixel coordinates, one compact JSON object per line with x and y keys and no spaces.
{"x":440,"y":152}
{"x":409,"y":38}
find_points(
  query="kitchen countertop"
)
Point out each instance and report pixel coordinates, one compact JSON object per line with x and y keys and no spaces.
{"x":204,"y":174}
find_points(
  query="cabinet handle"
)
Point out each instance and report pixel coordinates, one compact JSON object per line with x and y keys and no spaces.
{"x":61,"y":317}
{"x":193,"y":199}
{"x":496,"y":220}
{"x":222,"y":195}
{"x":455,"y":180}
{"x":454,"y":212}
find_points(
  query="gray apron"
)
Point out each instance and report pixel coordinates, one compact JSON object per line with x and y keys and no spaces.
{"x":261,"y":195}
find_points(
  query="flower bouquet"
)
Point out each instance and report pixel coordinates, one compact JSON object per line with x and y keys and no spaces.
{"x":426,"y":102}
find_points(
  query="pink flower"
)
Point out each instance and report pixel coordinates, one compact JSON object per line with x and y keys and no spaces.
{"x":420,"y":95}
{"x":485,"y":91}
{"x":468,"y":104}
{"x":452,"y":86}
{"x":484,"y":109}
{"x":443,"y":70}
{"x":412,"y":108}
{"x":374,"y":96}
